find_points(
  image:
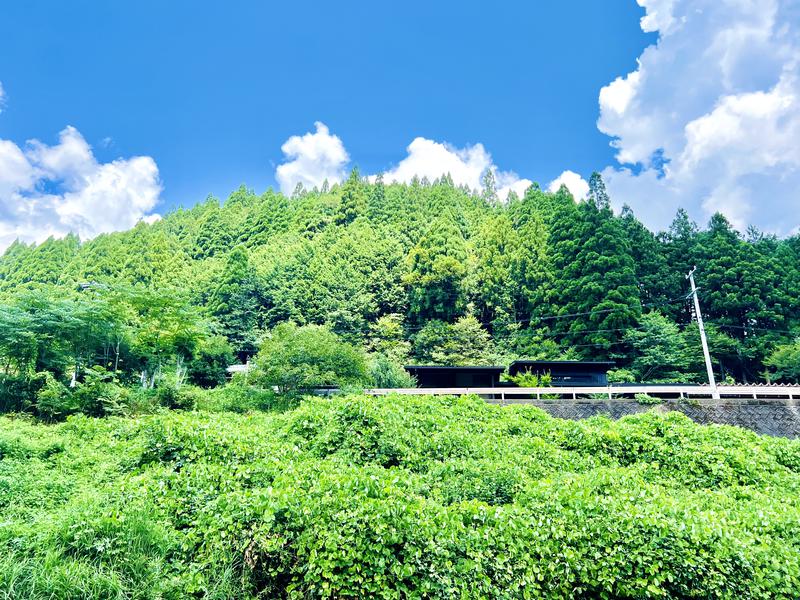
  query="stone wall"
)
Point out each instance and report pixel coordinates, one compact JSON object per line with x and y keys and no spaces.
{"x":770,"y":417}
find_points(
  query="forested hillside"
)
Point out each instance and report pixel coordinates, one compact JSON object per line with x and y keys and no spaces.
{"x":427,"y":272}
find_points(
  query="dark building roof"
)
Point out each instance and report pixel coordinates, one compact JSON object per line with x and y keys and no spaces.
{"x":446,"y":376}
{"x":559,"y":365}
{"x":566,"y":372}
{"x":562,"y":373}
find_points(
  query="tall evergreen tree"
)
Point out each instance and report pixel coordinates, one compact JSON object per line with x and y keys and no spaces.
{"x":489,"y":186}
{"x":234,"y":303}
{"x":597,"y":191}
{"x":657,"y":282}
{"x":496,"y":250}
{"x":354,"y":199}
{"x":595,"y":284}
{"x":437,"y":265}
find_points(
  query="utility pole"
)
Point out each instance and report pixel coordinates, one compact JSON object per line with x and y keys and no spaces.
{"x":706,"y":355}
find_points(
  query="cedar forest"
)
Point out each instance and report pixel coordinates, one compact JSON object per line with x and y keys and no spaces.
{"x":426,"y":272}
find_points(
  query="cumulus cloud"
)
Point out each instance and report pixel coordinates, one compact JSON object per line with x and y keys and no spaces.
{"x":710,"y":118}
{"x":311,"y":159}
{"x":314,"y":157}
{"x":53,"y":190}
{"x":466,"y":166}
{"x":576,"y":184}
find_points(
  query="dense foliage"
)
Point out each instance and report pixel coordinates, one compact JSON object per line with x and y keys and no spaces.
{"x":396,"y":497}
{"x":425,"y":272}
{"x":301,"y":359}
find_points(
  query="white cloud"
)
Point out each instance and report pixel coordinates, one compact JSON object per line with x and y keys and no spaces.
{"x":2,"y":96}
{"x":427,"y":158}
{"x":312,"y":158}
{"x":710,"y":118}
{"x":576,"y":184}
{"x":466,"y":166}
{"x":53,"y":190}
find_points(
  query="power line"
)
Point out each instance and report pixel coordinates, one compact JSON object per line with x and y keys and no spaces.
{"x":754,"y":328}
{"x":675,"y":300}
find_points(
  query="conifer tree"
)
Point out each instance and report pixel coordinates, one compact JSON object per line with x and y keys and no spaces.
{"x":437,"y":265}
{"x":595,"y":286}
{"x":354,"y":201}
{"x":597,"y":191}
{"x":657,"y":282}
{"x":234,"y":303}
{"x":496,"y":250}
{"x":489,"y":192}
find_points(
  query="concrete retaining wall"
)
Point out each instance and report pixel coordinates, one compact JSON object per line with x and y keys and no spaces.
{"x":770,"y":417}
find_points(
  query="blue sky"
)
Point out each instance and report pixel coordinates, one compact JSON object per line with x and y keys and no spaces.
{"x":209,"y":92}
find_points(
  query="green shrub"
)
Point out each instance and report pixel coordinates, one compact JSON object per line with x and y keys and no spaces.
{"x":529,"y":379}
{"x":647,"y":399}
{"x":393,"y":497}
{"x":99,"y":394}
{"x":16,"y":393}
{"x":142,"y":400}
{"x":54,"y":401}
{"x":240,"y":397}
{"x":621,"y":376}
{"x":208,"y":368}
{"x":385,"y":373}
{"x":185,"y":397}
{"x":296,"y":359}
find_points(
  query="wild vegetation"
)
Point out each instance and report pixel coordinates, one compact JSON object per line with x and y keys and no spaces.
{"x":396,"y":497}
{"x":426,"y":272}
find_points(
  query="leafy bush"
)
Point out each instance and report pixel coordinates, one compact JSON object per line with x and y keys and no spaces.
{"x":16,"y":393}
{"x":386,"y":373}
{"x":142,"y":401}
{"x":464,"y":342}
{"x":647,"y":399}
{"x":426,"y":497}
{"x":53,"y":400}
{"x":529,"y":379}
{"x":99,"y":394}
{"x":621,"y":376}
{"x":208,"y":368}
{"x":240,"y":397}
{"x":185,"y":397}
{"x":295,"y":359}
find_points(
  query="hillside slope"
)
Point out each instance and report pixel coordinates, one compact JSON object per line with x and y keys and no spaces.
{"x":541,"y":276}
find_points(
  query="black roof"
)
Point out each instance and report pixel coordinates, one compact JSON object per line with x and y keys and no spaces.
{"x":458,"y":368}
{"x":560,"y":366}
{"x":575,"y":363}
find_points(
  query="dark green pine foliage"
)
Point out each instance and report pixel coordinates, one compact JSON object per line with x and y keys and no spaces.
{"x":495,"y":290}
{"x":658,"y":283}
{"x":376,"y":205}
{"x":348,"y":255}
{"x":597,"y":191}
{"x":786,"y":258}
{"x":234,"y":303}
{"x":268,"y":216}
{"x":50,"y":262}
{"x":213,"y":236}
{"x":437,"y":265}
{"x":741,"y":293}
{"x":595,"y":285}
{"x":354,"y":199}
